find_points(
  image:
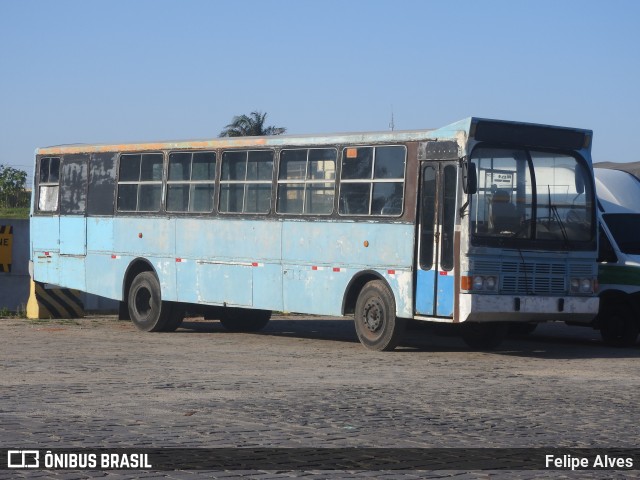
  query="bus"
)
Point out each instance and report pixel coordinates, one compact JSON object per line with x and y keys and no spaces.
{"x":482,"y":223}
{"x":618,"y":195}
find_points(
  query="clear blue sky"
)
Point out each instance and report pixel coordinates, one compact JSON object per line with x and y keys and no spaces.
{"x":75,"y":71}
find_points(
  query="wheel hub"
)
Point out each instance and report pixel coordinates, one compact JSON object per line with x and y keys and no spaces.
{"x":373,"y":316}
{"x":143,"y":301}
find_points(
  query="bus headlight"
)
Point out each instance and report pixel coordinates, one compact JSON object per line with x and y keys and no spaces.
{"x":575,"y":285}
{"x":582,"y":285}
{"x":586,"y":286}
{"x":479,"y":283}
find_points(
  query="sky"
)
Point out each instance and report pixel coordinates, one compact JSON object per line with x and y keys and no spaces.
{"x":80,"y":71}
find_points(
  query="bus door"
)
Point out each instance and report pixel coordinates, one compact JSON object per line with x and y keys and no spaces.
{"x":436,"y":227}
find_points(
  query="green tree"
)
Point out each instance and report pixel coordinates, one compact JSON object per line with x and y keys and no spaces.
{"x":12,"y":181}
{"x":14,"y":200}
{"x":250,"y":126}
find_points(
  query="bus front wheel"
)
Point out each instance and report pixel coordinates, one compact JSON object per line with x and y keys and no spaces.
{"x":147,"y":310}
{"x":377,"y":326}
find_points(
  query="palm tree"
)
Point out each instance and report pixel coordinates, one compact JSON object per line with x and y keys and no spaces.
{"x":250,"y":126}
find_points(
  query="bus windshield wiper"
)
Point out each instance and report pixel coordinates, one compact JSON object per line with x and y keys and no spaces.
{"x":553,"y":208}
{"x":563,"y":230}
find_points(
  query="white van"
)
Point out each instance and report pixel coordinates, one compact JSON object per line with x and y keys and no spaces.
{"x":619,"y":256}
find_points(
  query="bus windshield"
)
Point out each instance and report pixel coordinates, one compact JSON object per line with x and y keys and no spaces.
{"x":624,"y":228}
{"x":531,"y":198}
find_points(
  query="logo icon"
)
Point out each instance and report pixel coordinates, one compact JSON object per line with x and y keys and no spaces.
{"x":23,"y":458}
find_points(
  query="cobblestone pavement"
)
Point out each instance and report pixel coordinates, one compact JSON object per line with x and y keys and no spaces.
{"x":307,"y":382}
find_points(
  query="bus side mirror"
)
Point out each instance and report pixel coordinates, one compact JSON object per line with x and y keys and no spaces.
{"x":579,"y":178}
{"x":469,"y":177}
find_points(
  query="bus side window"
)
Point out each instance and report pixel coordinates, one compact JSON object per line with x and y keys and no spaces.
{"x":140,"y":182}
{"x":306,"y":181}
{"x":372,"y":181}
{"x":73,"y":184}
{"x":190,"y":184}
{"x":245,"y":186}
{"x":48,"y":184}
{"x":102,"y":184}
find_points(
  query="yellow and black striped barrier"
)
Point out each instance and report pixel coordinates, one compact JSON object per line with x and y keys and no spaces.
{"x":6,"y":244}
{"x":53,"y":302}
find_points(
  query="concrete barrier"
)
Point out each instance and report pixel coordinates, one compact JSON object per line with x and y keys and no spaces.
{"x":15,"y":285}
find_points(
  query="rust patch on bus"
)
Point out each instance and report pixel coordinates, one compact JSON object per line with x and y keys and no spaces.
{"x":137,"y":147}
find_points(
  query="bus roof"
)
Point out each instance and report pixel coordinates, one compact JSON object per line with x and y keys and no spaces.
{"x":246,"y":142}
{"x":458,"y":131}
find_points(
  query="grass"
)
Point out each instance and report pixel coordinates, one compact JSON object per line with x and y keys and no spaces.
{"x":55,"y":321}
{"x":6,"y":313}
{"x":15,"y":213}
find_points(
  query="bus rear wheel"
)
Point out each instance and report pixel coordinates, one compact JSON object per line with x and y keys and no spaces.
{"x":619,"y":327}
{"x":376,"y":323}
{"x":147,"y":310}
{"x":244,"y":320}
{"x":176,"y":316}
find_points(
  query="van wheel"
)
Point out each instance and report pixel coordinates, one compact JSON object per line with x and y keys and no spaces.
{"x":147,"y":310}
{"x":484,"y":336}
{"x":244,"y":320}
{"x":377,"y":326}
{"x":618,"y":326}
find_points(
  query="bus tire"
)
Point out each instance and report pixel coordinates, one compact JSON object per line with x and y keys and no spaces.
{"x":244,"y":320}
{"x":147,"y":310}
{"x":376,"y":323}
{"x":176,"y":316}
{"x":618,"y":326}
{"x":484,"y":336}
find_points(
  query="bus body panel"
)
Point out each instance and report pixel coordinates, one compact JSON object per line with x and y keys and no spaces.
{"x":71,"y":272}
{"x":232,"y":261}
{"x":73,"y":235}
{"x":45,"y":244}
{"x":321,"y":257}
{"x":425,"y":296}
{"x":493,"y":308}
{"x":100,"y":235}
{"x":446,"y":295}
{"x":375,"y":245}
{"x":144,"y":236}
{"x":220,"y":283}
{"x":105,"y":274}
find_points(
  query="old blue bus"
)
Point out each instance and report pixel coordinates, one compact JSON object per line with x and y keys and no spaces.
{"x":481,"y":223}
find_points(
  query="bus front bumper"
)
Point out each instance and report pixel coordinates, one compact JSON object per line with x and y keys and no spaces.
{"x":514,"y":308}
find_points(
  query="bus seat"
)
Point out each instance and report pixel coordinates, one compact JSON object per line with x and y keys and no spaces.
{"x":503,"y":215}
